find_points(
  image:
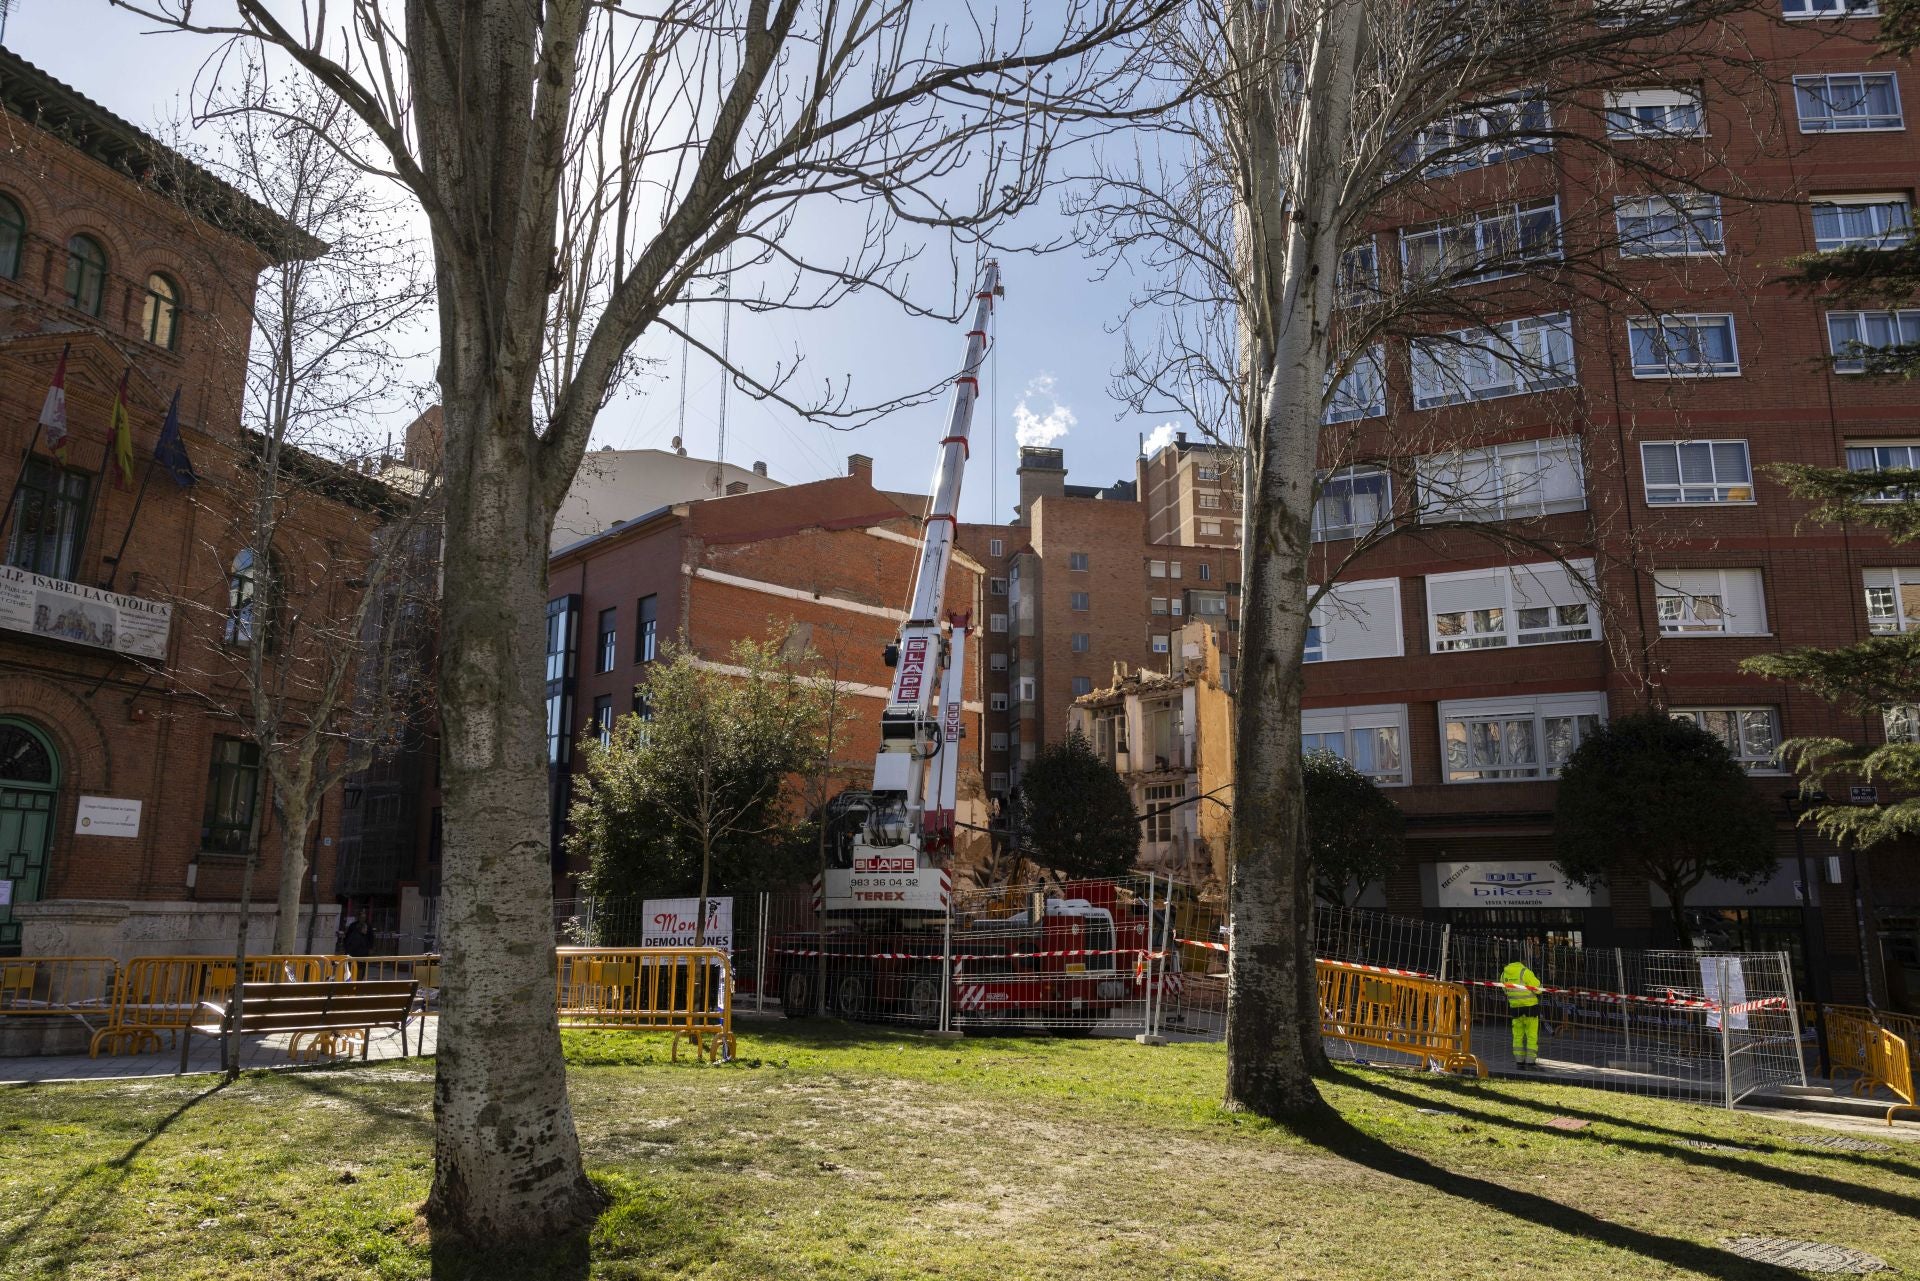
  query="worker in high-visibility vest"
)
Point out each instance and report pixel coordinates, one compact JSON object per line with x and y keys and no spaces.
{"x":1522,"y":987}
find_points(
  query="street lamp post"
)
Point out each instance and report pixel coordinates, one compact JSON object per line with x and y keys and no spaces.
{"x":1809,"y":932}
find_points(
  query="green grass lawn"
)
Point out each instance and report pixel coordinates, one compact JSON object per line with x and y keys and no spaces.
{"x":836,"y":1152}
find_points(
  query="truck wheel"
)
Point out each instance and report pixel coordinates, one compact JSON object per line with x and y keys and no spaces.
{"x":796,"y":995}
{"x":923,"y":1000}
{"x":850,"y":996}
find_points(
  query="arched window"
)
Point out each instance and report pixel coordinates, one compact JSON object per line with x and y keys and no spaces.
{"x":86,"y":274}
{"x":253,"y":598}
{"x":29,"y":783}
{"x":162,"y":320}
{"x":13,"y":237}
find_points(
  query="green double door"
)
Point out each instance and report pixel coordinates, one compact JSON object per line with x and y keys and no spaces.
{"x":29,"y":784}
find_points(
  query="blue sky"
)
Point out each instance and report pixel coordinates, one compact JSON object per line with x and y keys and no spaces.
{"x":1056,"y":351}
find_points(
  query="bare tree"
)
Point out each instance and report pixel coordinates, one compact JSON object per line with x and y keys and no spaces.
{"x":581,"y":167}
{"x":1476,"y":136}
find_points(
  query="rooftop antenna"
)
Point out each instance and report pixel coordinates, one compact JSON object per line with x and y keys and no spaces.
{"x":686,"y":343}
{"x":726,"y":374}
{"x":6,"y":10}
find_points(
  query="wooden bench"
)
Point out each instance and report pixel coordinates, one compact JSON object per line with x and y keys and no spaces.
{"x":333,"y":1008}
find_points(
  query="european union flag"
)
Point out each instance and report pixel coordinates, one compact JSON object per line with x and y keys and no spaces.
{"x":171,"y":451}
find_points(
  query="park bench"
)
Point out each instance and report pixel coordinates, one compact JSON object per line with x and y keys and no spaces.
{"x":330,"y":1008}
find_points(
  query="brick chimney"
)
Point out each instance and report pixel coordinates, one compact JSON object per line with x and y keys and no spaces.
{"x":759,"y":469}
{"x":1042,"y":472}
{"x":861,"y":466}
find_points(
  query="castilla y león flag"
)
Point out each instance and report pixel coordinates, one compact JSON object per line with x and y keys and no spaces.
{"x":53,"y":413}
{"x":122,"y":436}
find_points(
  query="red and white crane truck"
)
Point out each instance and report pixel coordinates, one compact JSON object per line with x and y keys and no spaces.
{"x":887,"y":892}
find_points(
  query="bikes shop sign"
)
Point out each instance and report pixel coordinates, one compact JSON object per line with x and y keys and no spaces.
{"x":1509,"y":884}
{"x":80,"y":615}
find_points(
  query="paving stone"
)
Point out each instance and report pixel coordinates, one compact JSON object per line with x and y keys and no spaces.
{"x":1806,"y":1256}
{"x":1567,"y":1123}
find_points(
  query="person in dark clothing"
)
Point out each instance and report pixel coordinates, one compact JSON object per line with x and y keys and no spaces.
{"x":357,"y":938}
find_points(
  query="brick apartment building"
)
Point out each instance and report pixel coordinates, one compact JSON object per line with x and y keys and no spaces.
{"x":129,"y":793}
{"x":827,"y":565}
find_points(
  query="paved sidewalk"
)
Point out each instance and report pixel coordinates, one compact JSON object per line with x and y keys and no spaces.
{"x":257,"y":1052}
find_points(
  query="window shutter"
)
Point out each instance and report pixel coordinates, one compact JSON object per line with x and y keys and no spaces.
{"x":1362,"y":620}
{"x":1745,"y":601}
{"x":1480,"y":589}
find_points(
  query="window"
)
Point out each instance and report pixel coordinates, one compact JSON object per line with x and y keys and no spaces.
{"x":1865,"y":340}
{"x":1175,"y":602}
{"x":996,"y":587}
{"x":1752,"y":734}
{"x":1157,"y":605}
{"x":1077,"y":561}
{"x":1156,"y":569}
{"x":1486,"y":134}
{"x":250,"y":599}
{"x":1846,"y":102}
{"x":603,"y":718}
{"x":1683,"y":347}
{"x":1655,"y":113}
{"x":1503,"y":482}
{"x":1173,"y":570}
{"x":1209,"y":529}
{"x":1481,"y":247}
{"x":997,"y":662}
{"x":86,"y":274}
{"x":995,"y":547}
{"x":1893,"y":600}
{"x":609,"y":649}
{"x":1893,"y":455}
{"x":1206,"y":501}
{"x":1540,"y":604}
{"x":1207,"y":471}
{"x":1710,"y":602}
{"x":1668,"y":226}
{"x":997,"y":701}
{"x":1371,"y":739}
{"x":1532,"y":354}
{"x":1078,"y":602}
{"x":563,"y":613}
{"x":1862,"y":222}
{"x":1829,"y":8}
{"x":996,"y":742}
{"x":1358,"y":284}
{"x":646,"y":646}
{"x":559,"y":727}
{"x":161,"y":319}
{"x":13,"y":237}
{"x":50,"y":518}
{"x":996,"y":622}
{"x":1160,"y":825}
{"x":1162,"y":644}
{"x":998,"y":782}
{"x":1696,"y":471}
{"x":1491,"y":739}
{"x":1082,"y":642}
{"x":1206,"y":572}
{"x":641,"y":706}
{"x":1355,"y":620}
{"x":1203,"y":604}
{"x":1025,"y":689}
{"x":1901,"y":722}
{"x":1362,"y":393}
{"x":1082,"y":685}
{"x":233,"y":786}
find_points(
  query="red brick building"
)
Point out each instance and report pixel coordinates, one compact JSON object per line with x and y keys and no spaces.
{"x":827,"y":565}
{"x":129,"y":793}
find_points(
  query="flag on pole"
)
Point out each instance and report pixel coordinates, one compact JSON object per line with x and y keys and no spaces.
{"x":53,"y":413}
{"x":171,"y":451}
{"x":122,"y":434}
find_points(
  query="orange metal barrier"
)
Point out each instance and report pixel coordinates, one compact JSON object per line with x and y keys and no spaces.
{"x":1880,"y":1057}
{"x":158,"y":994}
{"x":423,"y":968}
{"x":684,"y":990}
{"x":1422,"y":1017}
{"x":74,"y":987}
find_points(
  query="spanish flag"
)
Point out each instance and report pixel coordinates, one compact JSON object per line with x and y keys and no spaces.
{"x":122,"y":434}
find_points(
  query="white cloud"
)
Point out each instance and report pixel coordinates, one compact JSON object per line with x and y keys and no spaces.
{"x":1049,"y":422}
{"x":1158,"y":439}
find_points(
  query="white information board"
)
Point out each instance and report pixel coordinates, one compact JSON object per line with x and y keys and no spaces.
{"x":107,"y":816}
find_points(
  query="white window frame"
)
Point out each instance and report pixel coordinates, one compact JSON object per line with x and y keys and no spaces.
{"x":1173,"y":570}
{"x":1162,"y":644}
{"x":1359,"y":275}
{"x":1206,"y":501}
{"x":1890,"y":236}
{"x":1080,"y":642}
{"x":1024,"y":688}
{"x":1750,"y":762}
{"x":1810,"y":10}
{"x":1910,"y":448}
{"x":1728,"y":493}
{"x":1362,"y":393}
{"x":1693,"y":214}
{"x":1620,"y":124}
{"x":1541,"y":712}
{"x":1506,"y":632}
{"x":1688,"y":321}
{"x":1175,"y":602}
{"x":1492,"y":241}
{"x":1207,"y":471}
{"x":1206,"y":572}
{"x":1080,"y":602}
{"x":1154,"y":798}
{"x":1330,"y":484}
{"x":1156,"y":605}
{"x":1849,"y":354}
{"x":995,"y":547}
{"x":997,"y":701}
{"x":1350,"y":721}
{"x":1476,"y":121}
{"x":996,"y":622}
{"x":1513,"y":469}
{"x":996,"y":587}
{"x":996,"y":662}
{"x":997,"y":781}
{"x":1900,"y":723}
{"x":1078,"y":562}
{"x":1210,"y":529}
{"x":1825,"y":90}
{"x":1887,"y":614}
{"x":1540,"y":369}
{"x":1334,"y":613}
{"x":997,"y":741}
{"x":1156,"y":569}
{"x":1691,"y":614}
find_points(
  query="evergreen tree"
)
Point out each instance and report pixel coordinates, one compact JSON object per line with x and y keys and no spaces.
{"x":1076,"y":815}
{"x":1649,"y":796}
{"x":1354,"y":832}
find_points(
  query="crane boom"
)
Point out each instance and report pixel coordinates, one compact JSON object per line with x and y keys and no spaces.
{"x":910,"y":811}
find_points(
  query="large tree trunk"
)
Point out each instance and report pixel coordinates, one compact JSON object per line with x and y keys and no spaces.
{"x":1288,"y":241}
{"x":506,"y":1158}
{"x":296,"y":817}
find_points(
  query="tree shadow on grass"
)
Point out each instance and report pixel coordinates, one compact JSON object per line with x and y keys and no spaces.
{"x":1792,"y":1180}
{"x":331,"y":1085}
{"x":1337,"y":1136}
{"x":81,"y":1219}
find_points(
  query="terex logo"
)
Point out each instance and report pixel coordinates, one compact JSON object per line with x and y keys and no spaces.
{"x":883,"y":863}
{"x":913,"y":670}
